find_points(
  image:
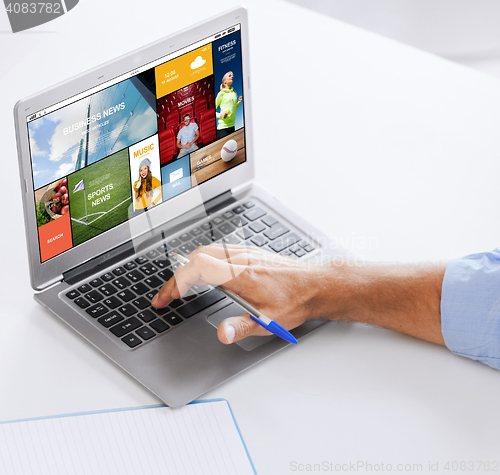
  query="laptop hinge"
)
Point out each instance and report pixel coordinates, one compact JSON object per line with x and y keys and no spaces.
{"x":219,"y":202}
{"x":128,"y":249}
{"x":104,"y":260}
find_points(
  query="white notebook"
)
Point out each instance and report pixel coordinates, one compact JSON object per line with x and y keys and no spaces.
{"x":200,"y":438}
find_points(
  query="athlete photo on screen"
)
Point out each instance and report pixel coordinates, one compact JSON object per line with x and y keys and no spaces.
{"x":228,"y":102}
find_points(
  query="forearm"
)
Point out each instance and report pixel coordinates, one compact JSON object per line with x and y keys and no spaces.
{"x":404,"y":298}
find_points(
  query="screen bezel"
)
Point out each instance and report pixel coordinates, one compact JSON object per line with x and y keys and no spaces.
{"x":51,"y":271}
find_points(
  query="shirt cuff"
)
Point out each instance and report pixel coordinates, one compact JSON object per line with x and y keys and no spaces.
{"x":470,"y":307}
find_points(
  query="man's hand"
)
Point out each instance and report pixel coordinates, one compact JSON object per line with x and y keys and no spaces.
{"x":240,"y":99}
{"x":402,"y":297}
{"x":281,"y":288}
{"x":224,"y":114}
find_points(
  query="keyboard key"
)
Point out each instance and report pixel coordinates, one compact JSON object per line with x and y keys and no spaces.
{"x":201,"y":241}
{"x":159,"y":325}
{"x":127,"y":310}
{"x":269,"y":220}
{"x":174,"y":243}
{"x":141,"y":260}
{"x":108,"y":289}
{"x":148,"y":268}
{"x":227,"y":215}
{"x":259,"y":240}
{"x":175,"y":303}
{"x":187,"y":248}
{"x":84,"y":288}
{"x":232,"y":239}
{"x":295,"y":248}
{"x":244,"y":233}
{"x":146,"y":316}
{"x":126,"y":326}
{"x":226,"y":228}
{"x":151,"y":294}
{"x":286,"y":253}
{"x":132,"y":340}
{"x":153,"y":281}
{"x":214,"y":235}
{"x":140,"y":288}
{"x":97,"y":310}
{"x":196,"y":231}
{"x":239,"y":222}
{"x":163,"y":249}
{"x":200,"y":289}
{"x":202,"y":302}
{"x":161,"y":263}
{"x":110,"y":319}
{"x":96,"y":282}
{"x":300,"y":253}
{"x":238,"y":209}
{"x":126,"y":295}
{"x":166,"y":274}
{"x":81,"y":302}
{"x":275,"y":231}
{"x":189,"y":297}
{"x":257,"y":227}
{"x":172,"y":319}
{"x":153,"y":254}
{"x":130,"y":265}
{"x":112,"y":302}
{"x":217,"y":220}
{"x":145,"y":333}
{"x":283,"y":243}
{"x":160,"y":311}
{"x":107,"y":277}
{"x":249,"y":204}
{"x":254,"y":214}
{"x":135,"y":276}
{"x":94,"y":296}
{"x":121,"y":283}
{"x":309,"y":248}
{"x":73,"y":294}
{"x":141,"y":303}
{"x":206,"y":226}
{"x":185,"y":237}
{"x":119,"y":271}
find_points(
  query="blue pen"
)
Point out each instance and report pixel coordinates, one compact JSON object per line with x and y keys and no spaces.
{"x":265,"y":322}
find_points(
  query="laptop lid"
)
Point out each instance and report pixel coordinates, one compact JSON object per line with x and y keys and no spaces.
{"x":140,"y":140}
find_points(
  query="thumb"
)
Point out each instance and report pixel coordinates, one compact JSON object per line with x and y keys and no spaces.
{"x":234,"y":329}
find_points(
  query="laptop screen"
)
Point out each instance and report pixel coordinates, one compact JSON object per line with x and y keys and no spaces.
{"x":118,"y":150}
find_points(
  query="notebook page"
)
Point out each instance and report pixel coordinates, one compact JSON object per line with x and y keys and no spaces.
{"x":196,"y":439}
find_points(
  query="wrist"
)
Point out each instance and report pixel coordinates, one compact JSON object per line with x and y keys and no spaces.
{"x":333,"y":289}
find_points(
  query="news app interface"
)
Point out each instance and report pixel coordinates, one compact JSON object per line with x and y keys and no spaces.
{"x":137,"y":141}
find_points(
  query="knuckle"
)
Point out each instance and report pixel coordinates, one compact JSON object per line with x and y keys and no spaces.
{"x":199,"y":259}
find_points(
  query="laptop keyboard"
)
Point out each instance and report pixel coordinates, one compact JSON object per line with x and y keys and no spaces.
{"x":120,"y":300}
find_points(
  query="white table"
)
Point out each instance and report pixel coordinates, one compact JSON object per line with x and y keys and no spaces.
{"x":398,"y":157}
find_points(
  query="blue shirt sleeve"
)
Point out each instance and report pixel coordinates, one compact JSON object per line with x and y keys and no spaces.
{"x":470,"y":307}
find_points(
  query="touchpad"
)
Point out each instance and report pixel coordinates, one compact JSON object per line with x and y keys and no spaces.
{"x":233,"y":310}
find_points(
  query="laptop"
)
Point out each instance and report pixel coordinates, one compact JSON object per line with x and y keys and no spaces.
{"x":121,"y":165}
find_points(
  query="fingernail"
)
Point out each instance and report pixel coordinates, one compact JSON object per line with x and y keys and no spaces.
{"x":230,"y":333}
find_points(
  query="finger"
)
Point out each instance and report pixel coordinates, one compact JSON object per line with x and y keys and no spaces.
{"x":203,"y":266}
{"x":234,"y":329}
{"x":219,"y":251}
{"x":171,"y":291}
{"x":209,"y":270}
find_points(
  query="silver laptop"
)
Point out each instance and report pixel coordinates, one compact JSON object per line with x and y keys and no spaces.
{"x":129,"y":161}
